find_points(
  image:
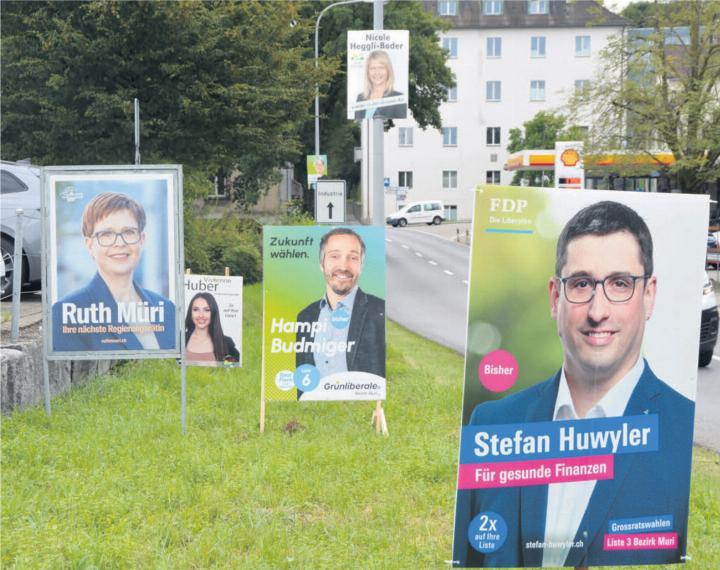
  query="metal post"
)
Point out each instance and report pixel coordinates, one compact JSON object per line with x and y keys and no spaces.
{"x":136,"y":104}
{"x":17,"y":274}
{"x":46,"y":384}
{"x":377,"y":187}
{"x":317,"y":85}
{"x":183,"y":393}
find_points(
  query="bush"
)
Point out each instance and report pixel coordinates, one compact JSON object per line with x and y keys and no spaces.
{"x":211,"y":245}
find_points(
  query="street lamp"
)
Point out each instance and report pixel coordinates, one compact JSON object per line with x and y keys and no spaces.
{"x":317,"y":85}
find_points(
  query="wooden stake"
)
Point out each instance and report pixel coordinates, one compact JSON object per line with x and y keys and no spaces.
{"x":227,"y":271}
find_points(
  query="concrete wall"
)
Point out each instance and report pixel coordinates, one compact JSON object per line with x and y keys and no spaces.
{"x":21,"y":371}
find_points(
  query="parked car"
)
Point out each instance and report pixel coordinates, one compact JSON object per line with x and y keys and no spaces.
{"x":708,"y":323}
{"x":713,"y":256}
{"x":427,"y":212}
{"x":20,"y":188}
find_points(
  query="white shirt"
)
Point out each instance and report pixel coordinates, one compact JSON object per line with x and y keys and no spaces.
{"x":567,"y":502}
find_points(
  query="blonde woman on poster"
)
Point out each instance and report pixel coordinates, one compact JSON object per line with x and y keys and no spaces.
{"x":379,"y":84}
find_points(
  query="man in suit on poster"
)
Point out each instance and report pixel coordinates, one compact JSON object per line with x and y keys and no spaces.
{"x":346,"y":313}
{"x":601,"y":295}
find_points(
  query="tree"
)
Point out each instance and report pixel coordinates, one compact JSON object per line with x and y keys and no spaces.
{"x":429,"y":76}
{"x":659,"y":88}
{"x":221,"y":84}
{"x":541,"y":132}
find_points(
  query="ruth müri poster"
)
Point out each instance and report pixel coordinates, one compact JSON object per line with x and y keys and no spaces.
{"x":113,"y":261}
{"x":213,"y":320}
{"x":581,"y":368}
{"x":324,"y":313}
{"x":377,"y":70}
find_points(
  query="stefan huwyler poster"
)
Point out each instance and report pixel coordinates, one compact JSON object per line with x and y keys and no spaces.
{"x":580,"y":375}
{"x":324,"y":313}
{"x":112,"y":257}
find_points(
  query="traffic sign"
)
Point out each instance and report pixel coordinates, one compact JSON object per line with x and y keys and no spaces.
{"x":330,"y":202}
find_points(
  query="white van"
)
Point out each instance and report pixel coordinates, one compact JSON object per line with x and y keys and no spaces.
{"x":426,"y":212}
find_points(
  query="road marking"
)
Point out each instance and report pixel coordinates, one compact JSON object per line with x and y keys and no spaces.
{"x":404,"y":246}
{"x":388,"y":240}
{"x":466,"y":282}
{"x":716,"y":357}
{"x":446,"y":272}
{"x":418,"y":254}
{"x":431,"y":262}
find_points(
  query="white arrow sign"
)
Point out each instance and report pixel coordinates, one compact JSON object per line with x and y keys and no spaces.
{"x":330,"y":202}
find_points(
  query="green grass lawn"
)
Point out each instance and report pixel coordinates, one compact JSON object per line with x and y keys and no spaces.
{"x":110,"y":482}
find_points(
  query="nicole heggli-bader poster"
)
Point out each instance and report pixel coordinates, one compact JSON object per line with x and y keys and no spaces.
{"x":112,"y":261}
{"x":323,"y":313}
{"x":580,"y":375}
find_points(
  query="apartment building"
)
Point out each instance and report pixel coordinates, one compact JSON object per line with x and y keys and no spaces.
{"x":511,"y":59}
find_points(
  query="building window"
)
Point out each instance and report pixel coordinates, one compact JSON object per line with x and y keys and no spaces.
{"x":492,"y":136}
{"x":452,"y":94}
{"x":537,"y":90}
{"x":538,"y":6}
{"x":582,"y":46}
{"x":493,"y":91}
{"x":449,"y":179}
{"x":492,"y":176}
{"x":449,"y":136}
{"x":447,"y":7}
{"x":405,"y":178}
{"x":492,"y":7}
{"x":406,"y":136}
{"x":493,"y":47}
{"x":582,"y":86}
{"x":451,"y":45}
{"x":450,"y":212}
{"x":537,"y":46}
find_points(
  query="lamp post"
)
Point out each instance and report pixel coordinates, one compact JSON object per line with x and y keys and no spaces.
{"x":317,"y":85}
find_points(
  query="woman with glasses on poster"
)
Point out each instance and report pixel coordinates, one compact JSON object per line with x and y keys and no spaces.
{"x":205,"y":343}
{"x":379,"y":81}
{"x":113,"y":312}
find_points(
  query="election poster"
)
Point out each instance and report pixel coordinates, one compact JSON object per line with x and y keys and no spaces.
{"x":213,"y":320}
{"x":113,"y":259}
{"x":317,"y":167}
{"x":377,"y":72}
{"x":580,"y":376}
{"x":324,"y":313}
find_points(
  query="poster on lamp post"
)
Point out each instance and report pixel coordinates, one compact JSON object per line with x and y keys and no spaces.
{"x":377,"y":74}
{"x":112,"y":258}
{"x":578,"y":404}
{"x":317,"y":167}
{"x":213,"y":320}
{"x":323,"y":313}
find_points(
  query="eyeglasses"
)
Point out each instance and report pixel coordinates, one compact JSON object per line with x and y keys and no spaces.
{"x":617,"y":288}
{"x":107,"y":238}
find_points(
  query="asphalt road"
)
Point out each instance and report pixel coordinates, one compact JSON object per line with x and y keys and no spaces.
{"x":427,"y":285}
{"x":427,"y":288}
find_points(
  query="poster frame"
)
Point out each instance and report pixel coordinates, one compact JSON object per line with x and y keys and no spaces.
{"x":49,"y":274}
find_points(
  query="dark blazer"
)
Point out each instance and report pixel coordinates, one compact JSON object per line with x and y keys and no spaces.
{"x":367,"y":330}
{"x":644,"y":484}
{"x":396,"y":111}
{"x":97,"y":292}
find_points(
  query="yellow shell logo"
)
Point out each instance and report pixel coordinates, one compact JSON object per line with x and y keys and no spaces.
{"x":570,"y":157}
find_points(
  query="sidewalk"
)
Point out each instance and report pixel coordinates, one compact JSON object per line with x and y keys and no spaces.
{"x":454,"y":231}
{"x":30,"y":314}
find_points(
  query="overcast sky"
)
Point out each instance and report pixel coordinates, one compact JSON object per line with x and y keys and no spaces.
{"x":617,"y":5}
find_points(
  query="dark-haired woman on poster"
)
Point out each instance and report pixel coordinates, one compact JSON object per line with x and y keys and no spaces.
{"x":205,"y":342}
